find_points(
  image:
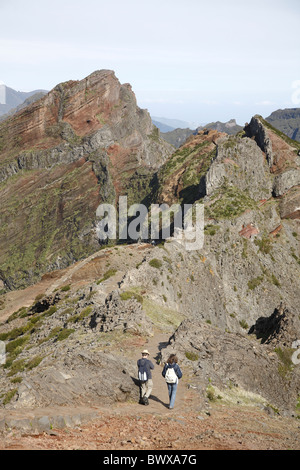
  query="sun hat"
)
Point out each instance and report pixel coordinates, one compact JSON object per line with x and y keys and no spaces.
{"x":146,"y":352}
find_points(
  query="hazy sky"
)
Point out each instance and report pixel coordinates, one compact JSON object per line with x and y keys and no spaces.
{"x":194,"y":60}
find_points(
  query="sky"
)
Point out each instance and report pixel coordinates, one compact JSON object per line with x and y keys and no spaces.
{"x":193,"y":60}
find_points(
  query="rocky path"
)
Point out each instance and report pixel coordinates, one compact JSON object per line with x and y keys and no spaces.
{"x":131,"y":426}
{"x":158,"y":404}
{"x":159,"y":399}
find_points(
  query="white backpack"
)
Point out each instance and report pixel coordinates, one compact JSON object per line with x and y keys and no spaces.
{"x":143,"y":376}
{"x":171,"y":377}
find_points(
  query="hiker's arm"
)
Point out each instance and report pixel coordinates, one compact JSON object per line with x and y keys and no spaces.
{"x":178,"y":371}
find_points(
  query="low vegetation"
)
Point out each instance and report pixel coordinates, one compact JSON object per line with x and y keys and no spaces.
{"x":107,"y":275}
{"x":229,"y":202}
{"x":155,"y":263}
{"x":127,"y":295}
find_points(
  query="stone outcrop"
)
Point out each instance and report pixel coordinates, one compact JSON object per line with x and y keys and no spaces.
{"x":283,"y":153}
{"x":227,"y":361}
{"x":255,"y":129}
{"x":124,"y":315}
{"x":70,"y":361}
{"x":285,"y":181}
{"x":290,"y":204}
{"x":281,"y":329}
{"x":236,"y":159}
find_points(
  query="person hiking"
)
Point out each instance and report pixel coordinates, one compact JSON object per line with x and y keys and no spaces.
{"x":145,"y":377}
{"x":172,"y":373}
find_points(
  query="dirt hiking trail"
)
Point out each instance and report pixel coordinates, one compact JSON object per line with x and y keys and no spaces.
{"x":189,"y":426}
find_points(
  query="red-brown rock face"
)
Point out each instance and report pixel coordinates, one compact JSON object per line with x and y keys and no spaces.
{"x":78,"y":146}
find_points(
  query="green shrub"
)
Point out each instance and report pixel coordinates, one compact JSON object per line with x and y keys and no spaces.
{"x":155,"y":263}
{"x":64,"y":334}
{"x":191,"y":356}
{"x":34,"y":362}
{"x":80,"y":316}
{"x":54,"y":332}
{"x":17,"y":366}
{"x":107,"y":275}
{"x":255,"y":282}
{"x":211,"y":229}
{"x":16,"y":332}
{"x":131,"y":295}
{"x":244,"y":324}
{"x":19,"y":342}
{"x":21,"y":313}
{"x":275,"y":281}
{"x":9,"y":396}
{"x":265,"y":245}
{"x":16,"y":380}
{"x":211,"y":394}
{"x":50,"y":311}
{"x":38,"y":298}
{"x":230,"y":202}
{"x":4,"y":336}
{"x":65,"y":288}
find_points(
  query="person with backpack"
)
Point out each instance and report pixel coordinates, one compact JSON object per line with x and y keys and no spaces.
{"x":145,"y":377}
{"x":172,"y":373}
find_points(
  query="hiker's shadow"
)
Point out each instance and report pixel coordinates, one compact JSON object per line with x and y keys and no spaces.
{"x":161,"y":345}
{"x":158,"y":400}
{"x":135,"y":381}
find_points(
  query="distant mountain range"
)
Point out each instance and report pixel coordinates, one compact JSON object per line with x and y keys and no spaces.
{"x":287,"y":121}
{"x":13,"y":99}
{"x":167,"y":125}
{"x":177,"y":137}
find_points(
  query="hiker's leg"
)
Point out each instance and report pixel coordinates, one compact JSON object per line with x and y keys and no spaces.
{"x":169,"y":391}
{"x":143,"y":388}
{"x":149,"y":385}
{"x":173,"y":395}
